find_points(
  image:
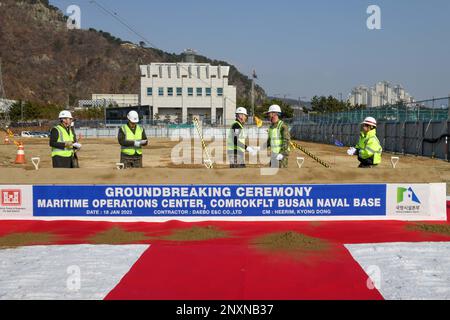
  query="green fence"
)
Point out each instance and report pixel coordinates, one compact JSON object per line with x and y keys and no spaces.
{"x":427,"y":110}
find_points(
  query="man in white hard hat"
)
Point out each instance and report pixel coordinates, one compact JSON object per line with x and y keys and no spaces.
{"x":368,"y":149}
{"x":279,"y":138}
{"x":132,"y":138}
{"x":236,"y":146}
{"x":64,"y":142}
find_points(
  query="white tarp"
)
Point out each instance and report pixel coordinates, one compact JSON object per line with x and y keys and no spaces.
{"x":407,"y":271}
{"x":68,"y":272}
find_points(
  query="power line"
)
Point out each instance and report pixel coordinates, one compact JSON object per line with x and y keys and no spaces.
{"x":122,"y":21}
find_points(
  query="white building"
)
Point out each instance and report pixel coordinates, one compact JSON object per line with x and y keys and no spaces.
{"x":180,"y":91}
{"x":383,"y":93}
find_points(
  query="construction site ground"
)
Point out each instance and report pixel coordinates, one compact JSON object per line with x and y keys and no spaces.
{"x":98,"y":159}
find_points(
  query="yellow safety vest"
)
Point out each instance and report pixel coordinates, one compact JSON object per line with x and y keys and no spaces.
{"x":241,"y":138}
{"x":63,"y":137}
{"x":130,"y":136}
{"x":369,"y":146}
{"x":276,"y":140}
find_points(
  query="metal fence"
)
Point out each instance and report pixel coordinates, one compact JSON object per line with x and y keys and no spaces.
{"x":432,"y":109}
{"x":422,"y":138}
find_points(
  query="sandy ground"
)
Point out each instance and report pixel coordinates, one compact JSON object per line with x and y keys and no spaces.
{"x":98,"y":160}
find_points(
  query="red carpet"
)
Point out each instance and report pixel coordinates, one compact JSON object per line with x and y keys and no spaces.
{"x":233,"y":269}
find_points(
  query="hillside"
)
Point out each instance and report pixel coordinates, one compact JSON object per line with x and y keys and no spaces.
{"x":46,"y":63}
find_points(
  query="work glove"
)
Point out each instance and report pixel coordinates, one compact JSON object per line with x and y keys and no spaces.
{"x":144,"y":142}
{"x":137,"y":144}
{"x":280,"y":157}
{"x":253,"y":151}
{"x":77,"y":145}
{"x":352,"y":151}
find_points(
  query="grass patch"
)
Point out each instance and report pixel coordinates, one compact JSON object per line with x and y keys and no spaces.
{"x":431,"y":228}
{"x":16,"y":240}
{"x":117,"y":235}
{"x":196,"y":234}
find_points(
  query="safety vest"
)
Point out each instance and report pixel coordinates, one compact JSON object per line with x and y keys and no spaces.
{"x":369,"y":146}
{"x":241,"y":138}
{"x":276,"y":140}
{"x":130,"y":136}
{"x":63,"y":137}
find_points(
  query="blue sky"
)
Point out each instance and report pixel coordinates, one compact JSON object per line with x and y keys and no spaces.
{"x":298,"y":48}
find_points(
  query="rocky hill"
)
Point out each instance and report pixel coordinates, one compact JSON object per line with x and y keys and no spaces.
{"x":46,"y":63}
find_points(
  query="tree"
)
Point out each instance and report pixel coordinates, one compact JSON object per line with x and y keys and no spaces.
{"x":286,"y":109}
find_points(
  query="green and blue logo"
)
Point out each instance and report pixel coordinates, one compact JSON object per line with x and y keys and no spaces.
{"x":407,"y":195}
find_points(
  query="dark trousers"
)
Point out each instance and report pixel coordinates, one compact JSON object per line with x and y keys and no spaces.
{"x":237,"y":159}
{"x":366,"y":163}
{"x":131,"y":161}
{"x":63,"y":162}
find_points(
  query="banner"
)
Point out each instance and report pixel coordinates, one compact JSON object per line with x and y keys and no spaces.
{"x":227,"y":202}
{"x":210,"y":201}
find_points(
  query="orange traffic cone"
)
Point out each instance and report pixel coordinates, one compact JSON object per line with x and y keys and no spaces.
{"x":20,"y":159}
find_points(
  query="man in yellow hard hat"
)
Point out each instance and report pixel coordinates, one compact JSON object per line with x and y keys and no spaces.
{"x":132,"y":138}
{"x":64,"y":142}
{"x":279,"y":138}
{"x":368,"y":149}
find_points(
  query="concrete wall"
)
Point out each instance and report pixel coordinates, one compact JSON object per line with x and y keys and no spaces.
{"x":403,"y":138}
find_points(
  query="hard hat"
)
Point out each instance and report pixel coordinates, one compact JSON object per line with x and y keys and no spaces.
{"x":65,"y":114}
{"x":133,"y":116}
{"x":370,"y":121}
{"x":274,"y":108}
{"x":241,"y":111}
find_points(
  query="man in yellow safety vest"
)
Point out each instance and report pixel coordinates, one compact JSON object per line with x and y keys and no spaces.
{"x":237,"y":135}
{"x":368,"y":149}
{"x":132,"y":138}
{"x":279,"y":138}
{"x":64,"y":142}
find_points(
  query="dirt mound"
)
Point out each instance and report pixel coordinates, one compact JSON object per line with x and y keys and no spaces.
{"x":117,"y":235}
{"x":15,"y":240}
{"x":196,"y":234}
{"x":431,"y":228}
{"x":291,"y":242}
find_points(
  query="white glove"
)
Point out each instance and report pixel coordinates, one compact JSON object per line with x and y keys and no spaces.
{"x":137,"y":144}
{"x":280,"y":157}
{"x":143,"y":142}
{"x":351,"y":151}
{"x":251,"y":150}
{"x":77,"y":145}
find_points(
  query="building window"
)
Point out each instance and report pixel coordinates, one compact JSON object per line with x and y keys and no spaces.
{"x":179,"y":92}
{"x":199,"y":92}
{"x":220,"y":92}
{"x":161,"y":92}
{"x":170,"y":92}
{"x":208,"y":92}
{"x":149,"y":91}
{"x":190,"y":92}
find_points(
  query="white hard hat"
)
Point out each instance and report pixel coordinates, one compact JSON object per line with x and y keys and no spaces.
{"x":133,"y":116}
{"x":370,"y":121}
{"x":65,"y":114}
{"x":241,"y":111}
{"x":274,"y":108}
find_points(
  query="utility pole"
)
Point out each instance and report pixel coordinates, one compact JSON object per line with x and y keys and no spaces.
{"x":254,"y":76}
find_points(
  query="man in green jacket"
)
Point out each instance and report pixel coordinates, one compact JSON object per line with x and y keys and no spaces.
{"x":368,"y":149}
